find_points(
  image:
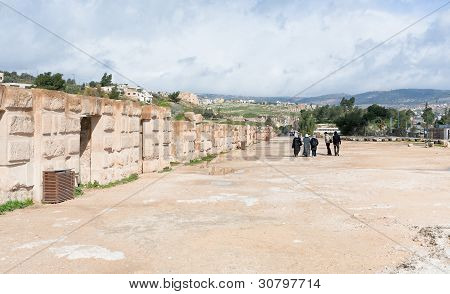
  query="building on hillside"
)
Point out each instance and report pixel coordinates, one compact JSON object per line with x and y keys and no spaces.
{"x":189,"y":97}
{"x":329,"y":128}
{"x":134,"y":93}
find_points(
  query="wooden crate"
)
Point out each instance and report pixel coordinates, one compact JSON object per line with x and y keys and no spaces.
{"x":58,"y":186}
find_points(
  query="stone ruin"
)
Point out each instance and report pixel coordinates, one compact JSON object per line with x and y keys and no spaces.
{"x":99,"y":139}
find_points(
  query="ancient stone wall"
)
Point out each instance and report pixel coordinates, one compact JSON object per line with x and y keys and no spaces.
{"x":100,"y":139}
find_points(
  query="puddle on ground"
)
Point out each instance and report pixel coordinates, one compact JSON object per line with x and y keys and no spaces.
{"x":34,"y":244}
{"x":222,"y":183}
{"x":73,"y":252}
{"x":222,"y":197}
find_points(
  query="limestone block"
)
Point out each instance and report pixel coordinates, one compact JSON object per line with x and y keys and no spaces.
{"x":47,"y":123}
{"x":190,"y":116}
{"x":107,"y":106}
{"x":73,"y":103}
{"x":136,"y":138}
{"x":135,"y":124}
{"x":74,"y":145}
{"x":91,"y":105}
{"x":20,"y":124}
{"x":167,"y":138}
{"x":73,"y":125}
{"x":54,"y":102}
{"x":61,"y":124}
{"x":125,"y":122}
{"x":19,"y":150}
{"x":108,"y":142}
{"x":12,"y":97}
{"x":126,"y":110}
{"x":53,"y":147}
{"x":108,"y":123}
{"x":125,"y":141}
{"x":136,"y":110}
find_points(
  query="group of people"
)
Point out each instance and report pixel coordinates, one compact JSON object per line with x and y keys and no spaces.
{"x":310,"y":144}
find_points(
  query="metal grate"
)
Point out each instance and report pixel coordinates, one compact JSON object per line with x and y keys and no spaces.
{"x":58,"y":186}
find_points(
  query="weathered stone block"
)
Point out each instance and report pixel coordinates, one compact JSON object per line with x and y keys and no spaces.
{"x":20,"y":124}
{"x":108,"y":142}
{"x":74,"y":146}
{"x":91,"y":105}
{"x":107,"y":106}
{"x":73,"y":125}
{"x":136,"y":138}
{"x":108,"y":123}
{"x":61,"y":124}
{"x":135,"y":124}
{"x":53,"y":147}
{"x":47,"y":122}
{"x":125,"y":141}
{"x":73,"y":103}
{"x":11,"y":97}
{"x":19,"y":151}
{"x":53,"y":102}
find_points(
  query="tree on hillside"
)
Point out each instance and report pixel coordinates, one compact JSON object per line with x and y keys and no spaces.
{"x":348,"y":104}
{"x":92,"y":84}
{"x":106,"y":80}
{"x":72,"y":87}
{"x":428,"y":116}
{"x":352,"y":123}
{"x":445,"y":119}
{"x":114,"y":94}
{"x":307,"y":123}
{"x":173,"y":97}
{"x":50,"y":82}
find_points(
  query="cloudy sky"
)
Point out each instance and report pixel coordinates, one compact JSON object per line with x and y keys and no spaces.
{"x":266,"y":48}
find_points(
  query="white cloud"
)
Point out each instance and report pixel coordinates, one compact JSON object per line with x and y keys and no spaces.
{"x":240,"y":47}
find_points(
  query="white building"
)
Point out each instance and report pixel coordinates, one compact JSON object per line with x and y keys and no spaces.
{"x":134,"y":93}
{"x":2,"y":76}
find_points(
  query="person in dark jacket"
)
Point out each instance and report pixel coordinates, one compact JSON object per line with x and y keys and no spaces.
{"x":296,"y":144}
{"x":306,"y":146}
{"x":314,"y":143}
{"x":336,"y":143}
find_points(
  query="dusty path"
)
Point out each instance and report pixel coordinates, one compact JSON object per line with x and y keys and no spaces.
{"x":363,"y":212}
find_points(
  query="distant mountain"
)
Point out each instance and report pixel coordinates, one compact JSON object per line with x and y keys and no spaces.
{"x":398,"y":97}
{"x":403,"y":97}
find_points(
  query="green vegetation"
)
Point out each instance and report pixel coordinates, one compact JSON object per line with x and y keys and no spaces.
{"x":428,"y":116}
{"x":173,"y":97}
{"x":15,"y":204}
{"x":180,"y":116}
{"x":115,"y":94}
{"x":445,"y":119}
{"x":207,"y":158}
{"x":95,"y":185}
{"x":165,"y":170}
{"x":50,"y":82}
{"x":106,"y":80}
{"x":174,"y":163}
{"x":14,"y":77}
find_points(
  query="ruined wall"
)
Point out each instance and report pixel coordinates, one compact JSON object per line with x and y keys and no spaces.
{"x":16,"y":144}
{"x":101,"y":140}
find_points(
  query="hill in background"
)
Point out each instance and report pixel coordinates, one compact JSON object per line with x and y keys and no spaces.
{"x":398,"y":97}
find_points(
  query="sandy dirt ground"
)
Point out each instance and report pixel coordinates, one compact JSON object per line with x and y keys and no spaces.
{"x":378,"y":208}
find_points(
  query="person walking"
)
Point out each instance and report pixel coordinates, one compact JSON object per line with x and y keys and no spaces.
{"x":296,"y":144}
{"x":328,"y":141}
{"x":314,"y":143}
{"x":306,"y":146}
{"x":336,"y":143}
